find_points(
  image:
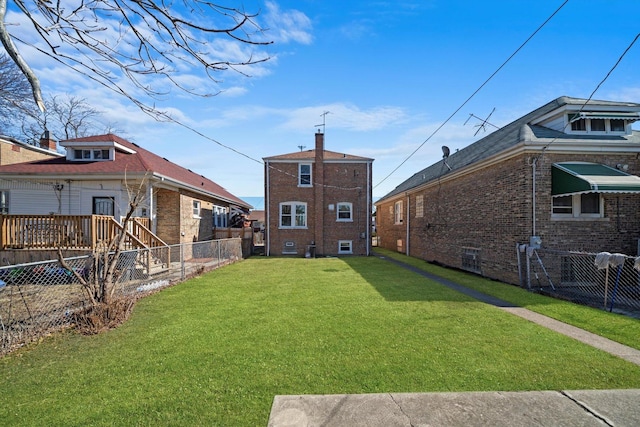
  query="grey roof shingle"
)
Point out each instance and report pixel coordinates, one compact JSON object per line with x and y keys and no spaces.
{"x":501,"y":140}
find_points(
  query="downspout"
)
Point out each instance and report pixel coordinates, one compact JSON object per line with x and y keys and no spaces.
{"x":152,"y":213}
{"x":533,"y":196}
{"x":408,"y":216}
{"x":267,"y":211}
{"x":368,"y":232}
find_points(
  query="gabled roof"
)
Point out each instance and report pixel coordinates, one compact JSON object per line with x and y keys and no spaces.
{"x":134,"y":160}
{"x":511,"y":135}
{"x":310,"y":155}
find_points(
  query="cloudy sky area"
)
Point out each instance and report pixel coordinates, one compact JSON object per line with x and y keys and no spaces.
{"x":388,"y":73}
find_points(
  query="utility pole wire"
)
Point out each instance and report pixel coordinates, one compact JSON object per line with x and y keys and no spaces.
{"x":473,"y":94}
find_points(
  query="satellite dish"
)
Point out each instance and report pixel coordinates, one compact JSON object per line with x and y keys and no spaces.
{"x":445,"y":152}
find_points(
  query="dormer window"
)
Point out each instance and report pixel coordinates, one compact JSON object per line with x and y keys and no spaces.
{"x":600,"y":123}
{"x":579,"y":125}
{"x":91,"y":154}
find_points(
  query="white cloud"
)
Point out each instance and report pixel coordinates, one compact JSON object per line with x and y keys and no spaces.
{"x":287,"y":25}
{"x":343,"y":116}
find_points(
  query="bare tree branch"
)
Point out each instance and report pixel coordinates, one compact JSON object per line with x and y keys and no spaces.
{"x":15,"y":55}
{"x":108,"y":39}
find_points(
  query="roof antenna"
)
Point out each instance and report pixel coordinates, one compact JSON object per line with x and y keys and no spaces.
{"x":302,"y":147}
{"x":445,"y":155}
{"x":324,"y":121}
{"x":484,"y":123}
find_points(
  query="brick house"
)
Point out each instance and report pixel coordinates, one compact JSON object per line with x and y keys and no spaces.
{"x":95,"y":177}
{"x":564,"y":174}
{"x":15,"y":151}
{"x":318,"y":202}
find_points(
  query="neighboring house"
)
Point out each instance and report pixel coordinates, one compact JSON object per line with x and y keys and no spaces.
{"x":318,"y":202}
{"x":14,"y":151}
{"x":97,"y":177}
{"x":563,"y":175}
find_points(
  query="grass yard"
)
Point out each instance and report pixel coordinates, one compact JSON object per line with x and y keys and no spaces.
{"x":216,"y":349}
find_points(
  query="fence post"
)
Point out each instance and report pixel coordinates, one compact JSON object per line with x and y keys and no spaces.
{"x":182,"y":261}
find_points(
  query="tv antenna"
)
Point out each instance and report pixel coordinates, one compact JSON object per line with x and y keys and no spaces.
{"x":302,"y":147}
{"x":484,"y":122}
{"x":324,"y":120}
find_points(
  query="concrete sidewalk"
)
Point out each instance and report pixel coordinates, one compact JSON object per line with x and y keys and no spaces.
{"x":514,"y":409}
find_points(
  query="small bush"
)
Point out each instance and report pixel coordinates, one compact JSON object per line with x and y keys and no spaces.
{"x":103,"y":316}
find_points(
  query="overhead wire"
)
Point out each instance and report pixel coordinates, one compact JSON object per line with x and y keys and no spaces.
{"x":606,"y":77}
{"x":473,"y":94}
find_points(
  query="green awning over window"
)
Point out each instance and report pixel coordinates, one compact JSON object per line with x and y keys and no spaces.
{"x":581,"y":177}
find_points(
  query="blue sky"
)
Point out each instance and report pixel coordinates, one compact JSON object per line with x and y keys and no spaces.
{"x":388,"y":73}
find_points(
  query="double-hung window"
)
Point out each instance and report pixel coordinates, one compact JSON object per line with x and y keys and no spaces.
{"x":345,"y":212}
{"x":589,"y":205}
{"x":345,"y":247}
{"x":293,"y":215}
{"x":196,"y":208}
{"x":398,"y":212}
{"x":4,"y":202}
{"x":304,"y":175}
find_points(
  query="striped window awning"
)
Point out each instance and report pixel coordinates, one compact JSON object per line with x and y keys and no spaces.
{"x":570,"y":178}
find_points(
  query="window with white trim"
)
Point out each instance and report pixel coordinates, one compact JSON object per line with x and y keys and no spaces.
{"x":304,"y":174}
{"x":219,"y":216}
{"x":4,"y":202}
{"x":596,"y":125}
{"x":196,"y":208}
{"x":345,"y":246}
{"x":588,"y":205}
{"x":397,"y":213}
{"x":91,"y":154}
{"x":419,"y":206}
{"x":345,"y":212}
{"x":293,"y":215}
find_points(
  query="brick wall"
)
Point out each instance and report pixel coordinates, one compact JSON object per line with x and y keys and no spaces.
{"x":11,"y":153}
{"x":339,"y":177}
{"x":489,"y":211}
{"x":174,"y":217}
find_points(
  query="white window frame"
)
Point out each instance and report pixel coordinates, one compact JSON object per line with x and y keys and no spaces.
{"x":419,"y":206}
{"x":576,"y":208}
{"x":301,"y":175}
{"x":349,"y":210}
{"x":96,"y":154}
{"x":197,"y":205}
{"x":220,"y":216}
{"x":4,"y":201}
{"x":294,"y":214}
{"x":398,"y":212}
{"x":345,"y":247}
{"x":588,"y":127}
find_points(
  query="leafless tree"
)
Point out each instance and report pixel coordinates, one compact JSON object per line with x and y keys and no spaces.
{"x":15,"y":95}
{"x":106,"y":309}
{"x":65,"y":117}
{"x":117,"y":41}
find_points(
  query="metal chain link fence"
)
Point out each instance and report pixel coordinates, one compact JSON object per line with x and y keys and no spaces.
{"x":41,"y":297}
{"x":602,"y":280}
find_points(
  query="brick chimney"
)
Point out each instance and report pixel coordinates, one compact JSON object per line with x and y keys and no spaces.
{"x":318,"y":188}
{"x":46,"y":142}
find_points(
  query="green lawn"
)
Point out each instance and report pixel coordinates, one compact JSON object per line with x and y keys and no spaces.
{"x":215,"y":350}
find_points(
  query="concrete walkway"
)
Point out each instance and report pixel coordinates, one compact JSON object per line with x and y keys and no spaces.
{"x":625,"y":352}
{"x":509,"y":409}
{"x":514,"y":409}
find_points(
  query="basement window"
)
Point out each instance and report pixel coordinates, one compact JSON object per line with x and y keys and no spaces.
{"x":471,"y":260}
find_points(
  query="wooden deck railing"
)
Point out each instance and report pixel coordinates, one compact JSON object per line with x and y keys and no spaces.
{"x":71,"y":232}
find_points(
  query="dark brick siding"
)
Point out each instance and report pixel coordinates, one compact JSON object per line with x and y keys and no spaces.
{"x":491,"y":210}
